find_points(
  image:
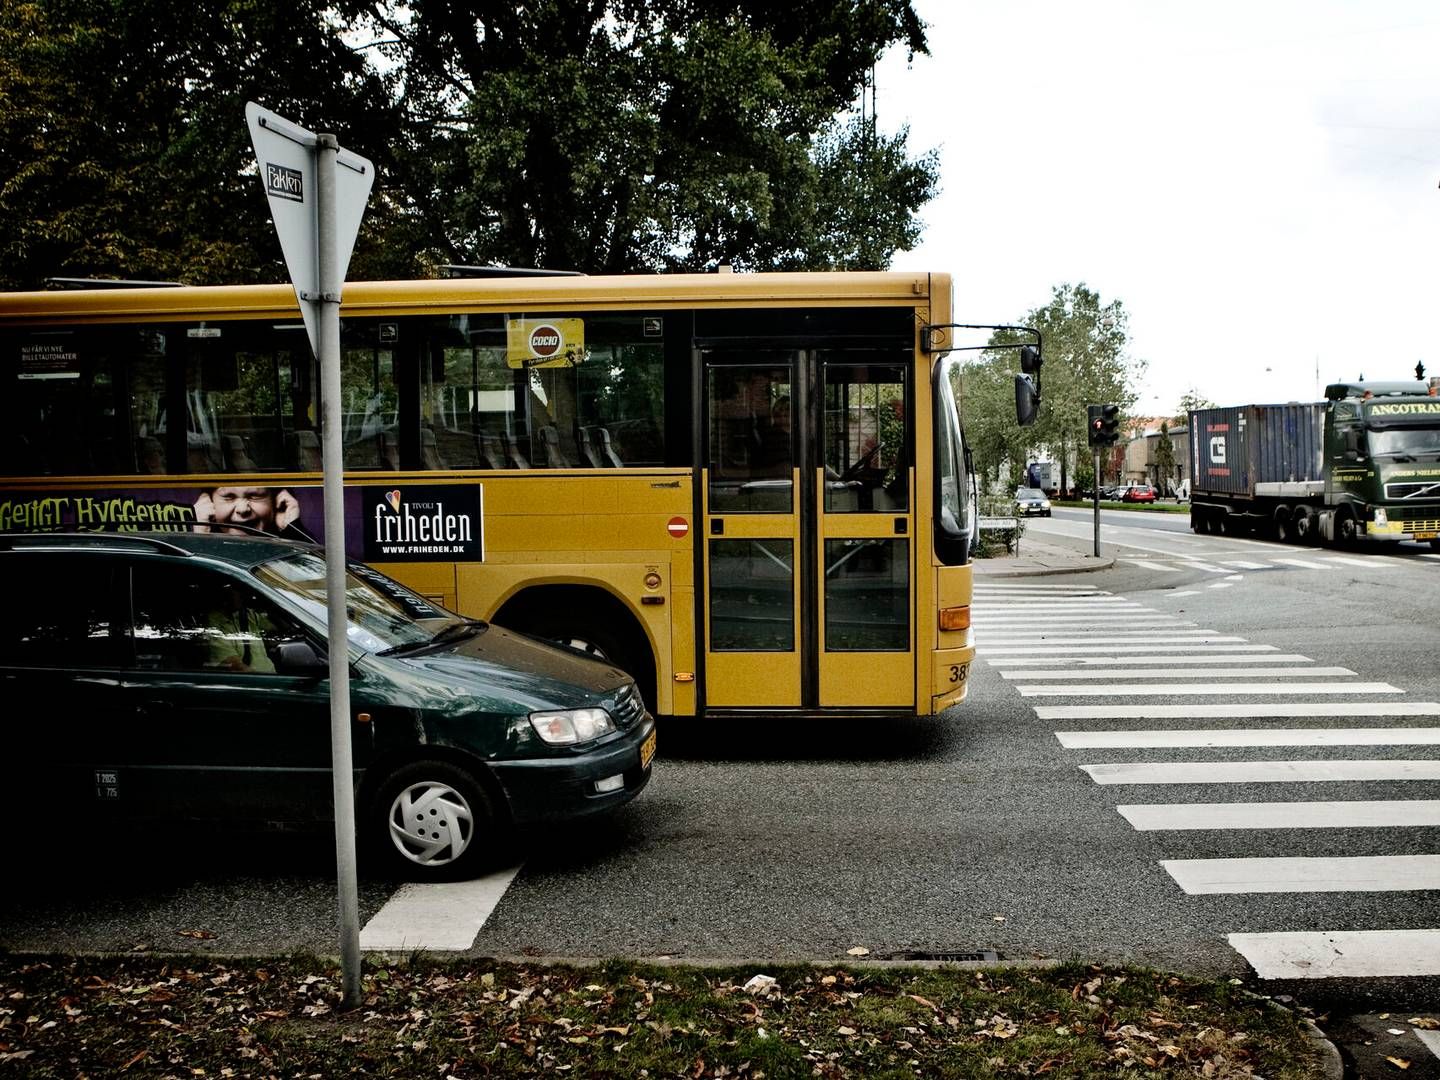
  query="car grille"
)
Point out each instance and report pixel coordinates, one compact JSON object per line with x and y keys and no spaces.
{"x":628,"y":706}
{"x":1428,"y":489}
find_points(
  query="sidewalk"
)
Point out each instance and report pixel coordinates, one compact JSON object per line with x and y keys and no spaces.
{"x":1037,"y":557}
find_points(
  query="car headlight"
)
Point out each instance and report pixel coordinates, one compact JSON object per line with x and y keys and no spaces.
{"x":567,"y":726}
{"x":1045,"y":505}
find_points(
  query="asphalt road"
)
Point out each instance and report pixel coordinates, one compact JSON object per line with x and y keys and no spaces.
{"x":975,"y":832}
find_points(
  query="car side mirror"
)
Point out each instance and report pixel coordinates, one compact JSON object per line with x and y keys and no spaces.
{"x":299,"y":657}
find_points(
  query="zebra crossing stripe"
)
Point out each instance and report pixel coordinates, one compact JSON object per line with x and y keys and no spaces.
{"x":1160,"y":738}
{"x":1247,"y":710}
{"x":1148,"y":565}
{"x":1182,"y":673}
{"x":1093,"y":661}
{"x":1182,"y":689}
{"x":1352,"y":873}
{"x":1381,"y":814}
{"x":1352,"y":954}
{"x":1245,"y":565}
{"x":1196,"y":650}
{"x":1305,"y":564}
{"x":1192,"y":564}
{"x":439,"y":915}
{"x":1130,"y":637}
{"x":1262,"y":772}
{"x":1360,"y":562}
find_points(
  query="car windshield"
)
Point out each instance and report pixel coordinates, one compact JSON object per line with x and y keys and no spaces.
{"x":1029,"y":493}
{"x":381,"y":614}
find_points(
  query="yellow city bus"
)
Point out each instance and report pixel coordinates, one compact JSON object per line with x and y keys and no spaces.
{"x":749,"y":490}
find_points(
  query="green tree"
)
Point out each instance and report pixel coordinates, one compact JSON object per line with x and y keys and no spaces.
{"x":619,"y":135}
{"x":123,"y":149}
{"x":1165,"y":458}
{"x":1191,"y":399}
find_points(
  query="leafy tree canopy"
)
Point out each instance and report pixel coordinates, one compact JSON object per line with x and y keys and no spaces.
{"x":605,"y":136}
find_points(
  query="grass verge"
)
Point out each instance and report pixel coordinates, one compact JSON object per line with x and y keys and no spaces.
{"x":148,"y":1016}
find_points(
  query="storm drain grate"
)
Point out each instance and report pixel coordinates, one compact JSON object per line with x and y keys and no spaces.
{"x":953,"y":955}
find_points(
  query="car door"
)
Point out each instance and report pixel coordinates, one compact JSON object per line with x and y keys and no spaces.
{"x":219,"y":732}
{"x":61,"y":668}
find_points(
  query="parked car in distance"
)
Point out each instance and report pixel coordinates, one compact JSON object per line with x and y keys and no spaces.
{"x":1138,"y":493}
{"x":183,"y":677}
{"x":1031,"y":502}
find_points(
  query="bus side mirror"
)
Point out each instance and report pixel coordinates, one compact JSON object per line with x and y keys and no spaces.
{"x":1027,"y":401}
{"x":1030,"y":360}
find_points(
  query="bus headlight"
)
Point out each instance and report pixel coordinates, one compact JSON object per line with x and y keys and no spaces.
{"x":565,"y":727}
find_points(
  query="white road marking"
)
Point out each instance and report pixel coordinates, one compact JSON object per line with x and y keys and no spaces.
{"x":1169,"y":637}
{"x":1199,"y":648}
{"x":442,"y":916}
{"x":1222,"y":585}
{"x":1355,"y":873}
{"x":1148,"y":565}
{"x":1383,"y":814}
{"x":1181,"y":689}
{"x":1431,"y":1039}
{"x":1429,"y":555}
{"x":997,"y":587}
{"x":1181,"y":673}
{"x":1250,"y":710}
{"x":1192,"y":564}
{"x":1261,"y":772}
{"x":1187,"y":592}
{"x":1367,"y":563}
{"x":1176,"y":658}
{"x":1341,"y":953}
{"x":1162,"y":738}
{"x":1304,"y":564}
{"x":1245,"y":564}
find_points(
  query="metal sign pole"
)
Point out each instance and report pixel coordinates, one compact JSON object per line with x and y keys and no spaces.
{"x":317,"y":234}
{"x":333,"y":463}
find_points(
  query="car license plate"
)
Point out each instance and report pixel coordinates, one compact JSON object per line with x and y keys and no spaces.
{"x":647,"y":750}
{"x":1424,"y":536}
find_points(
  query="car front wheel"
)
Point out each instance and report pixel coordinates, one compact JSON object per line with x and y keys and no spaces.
{"x":433,"y":822}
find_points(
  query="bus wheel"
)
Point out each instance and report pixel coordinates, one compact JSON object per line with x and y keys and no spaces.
{"x":1199,"y":521}
{"x":1283,"y":525}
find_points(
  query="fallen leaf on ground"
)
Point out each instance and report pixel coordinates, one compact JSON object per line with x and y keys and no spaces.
{"x":1399,"y":1063}
{"x":858,"y":950}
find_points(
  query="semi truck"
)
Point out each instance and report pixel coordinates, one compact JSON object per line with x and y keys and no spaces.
{"x":1362,"y":465}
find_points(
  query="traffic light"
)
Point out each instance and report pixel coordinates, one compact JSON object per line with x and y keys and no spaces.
{"x":1102,"y":425}
{"x":1110,"y":422}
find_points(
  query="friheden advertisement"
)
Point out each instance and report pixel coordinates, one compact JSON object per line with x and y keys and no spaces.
{"x":383,"y":523}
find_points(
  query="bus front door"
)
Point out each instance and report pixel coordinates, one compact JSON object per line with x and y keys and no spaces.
{"x":808,"y":526}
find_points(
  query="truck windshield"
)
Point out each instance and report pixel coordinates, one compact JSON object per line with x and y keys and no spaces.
{"x":1415,"y":440}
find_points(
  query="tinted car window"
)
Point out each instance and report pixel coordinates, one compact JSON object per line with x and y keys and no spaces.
{"x":189,"y":618}
{"x":58,"y":611}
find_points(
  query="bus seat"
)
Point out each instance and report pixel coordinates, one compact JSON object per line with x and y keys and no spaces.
{"x":491,"y":455}
{"x":387,"y":445}
{"x":429,"y":452}
{"x":607,"y":450}
{"x":305,"y":452}
{"x":203,"y":457}
{"x":513,"y":454}
{"x":550,"y":440}
{"x":149,"y":455}
{"x":589,"y":455}
{"x":237,"y":454}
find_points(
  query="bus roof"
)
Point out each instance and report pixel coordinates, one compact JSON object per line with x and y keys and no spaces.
{"x":654,"y":291}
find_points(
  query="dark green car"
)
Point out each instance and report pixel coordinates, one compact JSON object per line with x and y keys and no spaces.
{"x":171,"y":676}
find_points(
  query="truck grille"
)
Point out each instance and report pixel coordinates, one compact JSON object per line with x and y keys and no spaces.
{"x":628,"y":707}
{"x":1424,"y":489}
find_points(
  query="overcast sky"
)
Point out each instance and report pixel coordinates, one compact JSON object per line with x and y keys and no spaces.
{"x":1255,"y":181}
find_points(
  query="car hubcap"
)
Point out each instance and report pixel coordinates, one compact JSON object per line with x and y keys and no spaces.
{"x":431,"y":823}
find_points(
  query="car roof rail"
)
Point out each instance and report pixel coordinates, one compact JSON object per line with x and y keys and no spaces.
{"x":103,"y":540}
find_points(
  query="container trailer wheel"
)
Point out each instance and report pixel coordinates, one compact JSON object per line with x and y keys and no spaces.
{"x":1283,"y":524}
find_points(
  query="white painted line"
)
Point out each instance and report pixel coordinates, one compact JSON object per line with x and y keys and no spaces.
{"x":1222,"y":585}
{"x":1168,"y":738}
{"x":1187,"y":592}
{"x":1431,"y":1039}
{"x":1253,"y":709}
{"x":1244,"y":564}
{"x":1191,"y":564}
{"x":1102,"y":623}
{"x":1341,"y":953}
{"x":1367,"y":563}
{"x":1082,"y":590}
{"x":1383,"y":814}
{"x":1355,"y":873}
{"x":1304,"y":564}
{"x":1177,"y":658}
{"x":1112,"y":637}
{"x":1182,"y":673}
{"x":1148,"y":565}
{"x":1261,"y":772}
{"x":1429,"y":555}
{"x":1196,"y":649}
{"x":442,"y":916}
{"x":1182,"y":689}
